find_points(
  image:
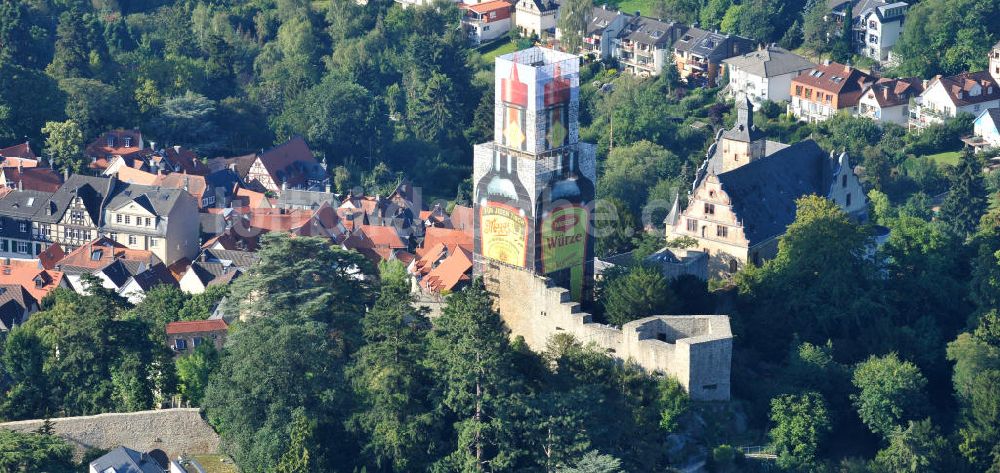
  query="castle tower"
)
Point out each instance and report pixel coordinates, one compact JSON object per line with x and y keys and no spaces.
{"x":534,"y":183}
{"x":744,"y":142}
{"x":995,"y":62}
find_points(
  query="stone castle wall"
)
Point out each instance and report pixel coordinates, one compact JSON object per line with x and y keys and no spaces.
{"x":696,"y":349}
{"x":175,"y":431}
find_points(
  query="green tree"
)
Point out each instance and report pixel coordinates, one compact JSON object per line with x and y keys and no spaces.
{"x":640,"y":292}
{"x":940,"y":37}
{"x":296,"y":458}
{"x":64,"y":145}
{"x":674,"y":403}
{"x":615,"y":227}
{"x":471,"y":361}
{"x":29,"y":394}
{"x":92,"y":104}
{"x":189,"y":119}
{"x":20,"y":452}
{"x":594,"y":462}
{"x":340,"y":119}
{"x":72,"y":48}
{"x":712,"y":13}
{"x":574,"y":16}
{"x":392,"y":384}
{"x":28,"y":99}
{"x":966,"y":200}
{"x":816,"y":30}
{"x":201,"y":306}
{"x":890,"y":393}
{"x":837,"y":291}
{"x":301,"y":366}
{"x":800,"y":422}
{"x":194,"y":371}
{"x":919,"y":448}
{"x":430,"y":109}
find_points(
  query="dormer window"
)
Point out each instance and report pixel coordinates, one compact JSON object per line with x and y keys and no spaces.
{"x":128,"y":141}
{"x":111,"y":141}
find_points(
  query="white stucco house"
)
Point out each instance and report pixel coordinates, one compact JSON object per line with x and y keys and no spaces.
{"x":765,"y":74}
{"x":985,"y":131}
{"x":888,"y":100}
{"x":946,"y":97}
{"x":878,"y":28}
{"x":536,"y":17}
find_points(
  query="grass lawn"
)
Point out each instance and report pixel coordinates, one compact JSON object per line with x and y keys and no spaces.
{"x":497,"y":48}
{"x":216,"y":463}
{"x":948,"y":157}
{"x":632,"y":6}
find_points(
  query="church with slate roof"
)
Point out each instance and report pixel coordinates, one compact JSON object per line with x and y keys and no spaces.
{"x":743,"y":197}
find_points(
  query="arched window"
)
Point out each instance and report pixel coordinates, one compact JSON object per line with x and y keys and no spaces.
{"x":733,"y":265}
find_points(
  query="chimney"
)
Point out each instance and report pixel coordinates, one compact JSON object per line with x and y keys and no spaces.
{"x":152,"y":145}
{"x":65,"y":174}
{"x":20,"y":184}
{"x":203,"y":257}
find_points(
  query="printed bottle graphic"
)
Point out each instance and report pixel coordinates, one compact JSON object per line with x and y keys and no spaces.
{"x":504,"y":212}
{"x":514,"y":95}
{"x":565,"y":221}
{"x":556,"y":97}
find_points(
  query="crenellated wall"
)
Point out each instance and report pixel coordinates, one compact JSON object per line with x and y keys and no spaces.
{"x":696,"y":349}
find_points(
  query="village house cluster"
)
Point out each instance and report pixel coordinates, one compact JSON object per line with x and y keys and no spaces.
{"x":144,"y":216}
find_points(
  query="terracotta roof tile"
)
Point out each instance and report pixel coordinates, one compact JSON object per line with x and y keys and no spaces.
{"x":195,"y":326}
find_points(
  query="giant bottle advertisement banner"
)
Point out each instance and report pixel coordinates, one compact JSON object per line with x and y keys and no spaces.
{"x":564,"y":243}
{"x":504,"y":233}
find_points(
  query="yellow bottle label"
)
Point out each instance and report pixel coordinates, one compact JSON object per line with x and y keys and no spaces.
{"x":503,"y":232}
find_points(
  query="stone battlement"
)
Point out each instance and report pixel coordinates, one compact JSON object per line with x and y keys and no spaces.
{"x":695,"y":349}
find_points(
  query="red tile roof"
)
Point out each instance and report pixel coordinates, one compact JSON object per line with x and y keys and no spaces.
{"x":195,"y":326}
{"x":843,"y":81}
{"x":384,"y":237}
{"x":454,"y":269}
{"x":31,"y":276}
{"x":451,"y":238}
{"x":22,"y":150}
{"x":892,"y":92}
{"x":99,"y":148}
{"x":486,"y":7}
{"x":32,"y":178}
{"x":50,"y":256}
{"x":98,"y":253}
{"x":461,"y":218}
{"x":959,"y":87}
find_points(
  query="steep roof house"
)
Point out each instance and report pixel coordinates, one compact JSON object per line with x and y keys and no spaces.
{"x":644,"y":44}
{"x":216,"y":266}
{"x":161,"y":220}
{"x":888,"y":100}
{"x":877,"y":27}
{"x":288,"y":165}
{"x":743,"y":197}
{"x":19,"y":154}
{"x":16,"y":305}
{"x":765,"y":74}
{"x":536,"y":17}
{"x":111,"y":145}
{"x":29,"y":274}
{"x":125,"y":460}
{"x":699,"y":53}
{"x":486,"y":21}
{"x":946,"y":97}
{"x":603,"y":31}
{"x":30,"y":178}
{"x":821,"y":92}
{"x":184,"y":337}
{"x":985,"y":131}
{"x":442,"y":268}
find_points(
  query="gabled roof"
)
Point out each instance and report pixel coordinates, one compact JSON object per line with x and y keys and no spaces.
{"x":135,"y":176}
{"x":196,"y":326}
{"x":959,"y":87}
{"x":461,"y":217}
{"x":770,"y":62}
{"x":32,"y":178}
{"x":21,"y":150}
{"x":711,"y":45}
{"x":894,"y":92}
{"x":544,"y":6}
{"x":486,"y":7}
{"x":101,"y":252}
{"x":601,"y":18}
{"x":190,"y":183}
{"x":454,"y":269}
{"x":153,"y":276}
{"x":125,"y":460}
{"x":90,"y":189}
{"x":239,"y":259}
{"x":23,"y":204}
{"x":50,"y":256}
{"x":653,"y":32}
{"x":385,"y":237}
{"x":14,"y":301}
{"x":30,"y":275}
{"x":763,"y":192}
{"x":450,"y":237}
{"x":103,"y":153}
{"x":157,"y":200}
{"x":291,"y":163}
{"x":994,"y":114}
{"x":836,"y":79}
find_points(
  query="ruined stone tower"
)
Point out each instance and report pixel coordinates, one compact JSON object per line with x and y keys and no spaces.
{"x":534,"y":183}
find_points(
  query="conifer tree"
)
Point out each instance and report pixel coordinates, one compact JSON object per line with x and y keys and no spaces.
{"x":966,"y":201}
